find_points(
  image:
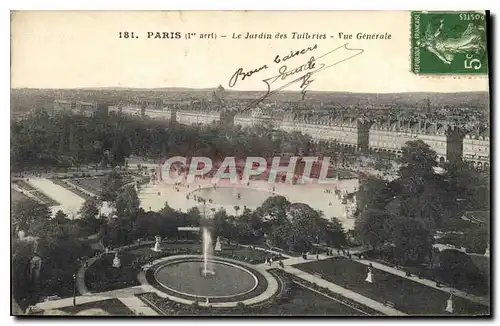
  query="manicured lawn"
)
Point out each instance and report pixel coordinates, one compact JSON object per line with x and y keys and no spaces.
{"x":408,"y":296}
{"x":17,"y":196}
{"x":113,"y":306}
{"x":102,"y":276}
{"x":46,"y":199}
{"x":301,"y":302}
{"x":24,"y":185}
{"x":70,"y":188}
{"x":94,"y":184}
{"x":304,"y":302}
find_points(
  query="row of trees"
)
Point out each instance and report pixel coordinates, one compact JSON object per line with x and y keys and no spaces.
{"x":289,"y":226}
{"x":405,"y":214}
{"x":64,"y":140}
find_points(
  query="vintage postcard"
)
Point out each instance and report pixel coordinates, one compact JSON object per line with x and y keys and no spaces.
{"x":190,"y":163}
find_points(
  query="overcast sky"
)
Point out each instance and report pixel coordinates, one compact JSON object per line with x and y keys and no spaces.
{"x":82,"y":49}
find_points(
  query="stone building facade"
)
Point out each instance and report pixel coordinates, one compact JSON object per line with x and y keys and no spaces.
{"x":357,"y":134}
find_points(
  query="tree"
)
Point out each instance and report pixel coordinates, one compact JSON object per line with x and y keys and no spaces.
{"x":148,"y":225}
{"x":118,"y":232}
{"x":466,"y":186}
{"x":306,"y":227}
{"x":417,"y":165}
{"x":168,"y":212}
{"x":89,"y":209}
{"x":374,"y":228}
{"x":298,"y":232}
{"x":127,"y":204}
{"x":412,"y":241}
{"x":26,"y":212}
{"x":275,"y":208}
{"x":60,"y":217}
{"x":221,"y":225}
{"x":280,"y":236}
{"x":111,"y":186}
{"x":193,"y":217}
{"x":236,"y":209}
{"x":22,"y":252}
{"x":374,"y":193}
{"x":335,"y":234}
{"x":241,"y":230}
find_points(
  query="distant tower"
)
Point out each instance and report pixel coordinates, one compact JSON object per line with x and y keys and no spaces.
{"x":428,"y":106}
{"x":143,"y":109}
{"x":218,"y":96}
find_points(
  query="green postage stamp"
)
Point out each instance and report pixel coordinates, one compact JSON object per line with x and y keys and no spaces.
{"x":448,"y":43}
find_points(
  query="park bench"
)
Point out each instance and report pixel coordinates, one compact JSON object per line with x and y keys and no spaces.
{"x":318,"y":275}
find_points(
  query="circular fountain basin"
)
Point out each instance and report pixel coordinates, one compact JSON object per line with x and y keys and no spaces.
{"x":180,"y":278}
{"x":186,"y":277}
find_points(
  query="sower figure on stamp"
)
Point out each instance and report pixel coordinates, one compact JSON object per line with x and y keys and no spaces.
{"x":445,"y":49}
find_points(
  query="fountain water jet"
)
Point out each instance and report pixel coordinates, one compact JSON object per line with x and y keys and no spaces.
{"x":207,"y":253}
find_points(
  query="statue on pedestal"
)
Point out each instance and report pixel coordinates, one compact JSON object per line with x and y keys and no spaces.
{"x":369,"y":276}
{"x":487,"y":252}
{"x":157,"y":246}
{"x":218,"y":245}
{"x":449,"y":304}
{"x":116,"y":261}
{"x":34,"y":269}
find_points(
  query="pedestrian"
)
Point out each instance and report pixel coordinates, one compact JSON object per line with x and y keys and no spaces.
{"x":317,"y":257}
